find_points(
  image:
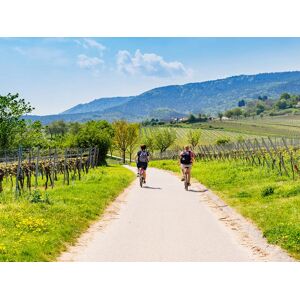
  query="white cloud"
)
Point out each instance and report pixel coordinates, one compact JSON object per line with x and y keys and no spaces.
{"x":86,"y":62}
{"x":149,"y":64}
{"x":90,"y":43}
{"x":94,"y":44}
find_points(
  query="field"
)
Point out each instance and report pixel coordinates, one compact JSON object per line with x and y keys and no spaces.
{"x":287,"y":126}
{"x":208,"y":135}
{"x":271,"y":202}
{"x":37,"y":226}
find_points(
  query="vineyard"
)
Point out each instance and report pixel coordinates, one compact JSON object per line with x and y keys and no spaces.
{"x":279,"y":154}
{"x":208,"y":136}
{"x":287,"y":126}
{"x":21,"y":169}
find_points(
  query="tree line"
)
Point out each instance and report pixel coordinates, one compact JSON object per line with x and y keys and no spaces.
{"x":119,"y":136}
{"x":263,"y":106}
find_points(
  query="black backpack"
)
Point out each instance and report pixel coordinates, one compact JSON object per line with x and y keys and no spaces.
{"x":186,"y":158}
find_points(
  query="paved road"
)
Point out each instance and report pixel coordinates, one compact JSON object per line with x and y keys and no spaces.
{"x":160,"y":222}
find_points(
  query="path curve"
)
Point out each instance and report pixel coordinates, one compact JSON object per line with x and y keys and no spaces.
{"x":163,"y":222}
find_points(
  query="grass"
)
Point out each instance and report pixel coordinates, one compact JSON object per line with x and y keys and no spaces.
{"x":270,"y":201}
{"x":39,"y":230}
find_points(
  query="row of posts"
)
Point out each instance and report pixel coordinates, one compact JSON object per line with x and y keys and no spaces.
{"x":29,"y":161}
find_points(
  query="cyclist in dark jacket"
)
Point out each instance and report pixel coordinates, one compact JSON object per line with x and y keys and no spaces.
{"x":186,"y":160}
{"x":142,"y":159}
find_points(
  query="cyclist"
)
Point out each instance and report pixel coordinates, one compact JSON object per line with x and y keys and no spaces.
{"x":186,"y":160}
{"x":142,"y":159}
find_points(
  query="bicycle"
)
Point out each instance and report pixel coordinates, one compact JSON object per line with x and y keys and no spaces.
{"x":141,"y":175}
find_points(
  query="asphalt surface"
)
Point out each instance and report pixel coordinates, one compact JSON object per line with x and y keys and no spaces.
{"x":159,"y":222}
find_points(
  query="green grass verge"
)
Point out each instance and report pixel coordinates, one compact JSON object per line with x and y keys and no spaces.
{"x":271,"y":201}
{"x":40,"y":231}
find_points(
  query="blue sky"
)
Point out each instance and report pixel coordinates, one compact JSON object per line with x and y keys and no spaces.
{"x":57,"y":73}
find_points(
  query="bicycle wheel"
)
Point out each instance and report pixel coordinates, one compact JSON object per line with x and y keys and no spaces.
{"x":141,"y":178}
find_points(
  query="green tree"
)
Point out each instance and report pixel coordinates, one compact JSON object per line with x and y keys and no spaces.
{"x":149,"y":140}
{"x":96,"y":134}
{"x":260,"y":108}
{"x":237,"y":112}
{"x":164,"y":138}
{"x":285,"y":96}
{"x":281,"y":104}
{"x":57,"y":129}
{"x":220,"y":116}
{"x":121,"y":137}
{"x":191,"y":118}
{"x":193,"y":137}
{"x":12,"y":108}
{"x":241,"y":103}
{"x":228,"y":113}
{"x":133,"y":136}
{"x":31,"y":135}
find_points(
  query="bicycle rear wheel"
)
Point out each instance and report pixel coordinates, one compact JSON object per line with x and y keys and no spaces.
{"x":141,"y":177}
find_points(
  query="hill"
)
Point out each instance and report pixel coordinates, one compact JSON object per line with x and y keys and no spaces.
{"x":207,"y":97}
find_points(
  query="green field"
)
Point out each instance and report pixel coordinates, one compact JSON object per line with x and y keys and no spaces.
{"x":208,"y":135}
{"x":271,"y":201}
{"x":40,"y":230}
{"x":287,"y":126}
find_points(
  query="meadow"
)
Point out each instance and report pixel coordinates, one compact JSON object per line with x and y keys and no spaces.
{"x":37,"y":226}
{"x":260,"y":195}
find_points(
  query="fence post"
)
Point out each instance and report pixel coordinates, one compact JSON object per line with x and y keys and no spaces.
{"x":18,"y":171}
{"x":37,"y":167}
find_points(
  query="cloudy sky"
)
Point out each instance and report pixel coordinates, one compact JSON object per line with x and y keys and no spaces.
{"x":57,"y":73}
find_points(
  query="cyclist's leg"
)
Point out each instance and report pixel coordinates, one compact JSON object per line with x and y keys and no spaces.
{"x":188,"y":170}
{"x":182,"y":172}
{"x":145,"y":168}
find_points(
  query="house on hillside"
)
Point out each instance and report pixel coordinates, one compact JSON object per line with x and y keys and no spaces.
{"x":225,"y":118}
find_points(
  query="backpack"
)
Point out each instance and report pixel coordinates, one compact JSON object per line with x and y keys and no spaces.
{"x":143,"y":156}
{"x":186,"y":158}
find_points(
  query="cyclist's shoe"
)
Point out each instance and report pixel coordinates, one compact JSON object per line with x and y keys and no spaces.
{"x":189,"y":184}
{"x":182,"y":179}
{"x":138,"y":174}
{"x":144,"y":181}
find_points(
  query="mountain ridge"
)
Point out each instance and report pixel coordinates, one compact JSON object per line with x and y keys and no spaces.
{"x":208,"y":97}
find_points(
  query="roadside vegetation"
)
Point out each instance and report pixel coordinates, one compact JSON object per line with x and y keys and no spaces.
{"x":38,"y":226}
{"x":271,"y":202}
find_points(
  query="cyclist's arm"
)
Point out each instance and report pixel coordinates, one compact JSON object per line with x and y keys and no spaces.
{"x":193,"y":157}
{"x":136,"y":158}
{"x":179,"y":160}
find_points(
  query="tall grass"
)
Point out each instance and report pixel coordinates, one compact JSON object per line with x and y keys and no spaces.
{"x":37,"y":227}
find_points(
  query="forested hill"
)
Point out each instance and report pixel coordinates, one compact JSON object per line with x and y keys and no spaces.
{"x":177,"y":100}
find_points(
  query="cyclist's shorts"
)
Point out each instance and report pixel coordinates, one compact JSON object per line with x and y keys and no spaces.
{"x":186,"y":166}
{"x":143,"y":165}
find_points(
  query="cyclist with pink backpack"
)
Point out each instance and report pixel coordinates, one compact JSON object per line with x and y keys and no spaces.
{"x":142,"y":159}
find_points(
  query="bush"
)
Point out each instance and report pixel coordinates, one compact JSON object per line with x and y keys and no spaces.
{"x":222,"y":141}
{"x":36,"y":197}
{"x":267,"y":191}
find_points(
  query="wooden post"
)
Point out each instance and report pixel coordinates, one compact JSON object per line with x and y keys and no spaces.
{"x":18,"y":171}
{"x":65,"y":166}
{"x":37,"y":167}
{"x":280,"y":157}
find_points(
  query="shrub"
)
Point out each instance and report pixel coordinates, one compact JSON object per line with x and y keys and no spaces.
{"x":222,"y":141}
{"x":36,"y":197}
{"x":267,"y":191}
